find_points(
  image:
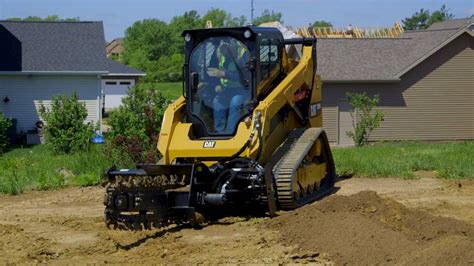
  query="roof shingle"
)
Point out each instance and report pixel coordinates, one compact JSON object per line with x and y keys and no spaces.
{"x":382,"y":59}
{"x":60,"y":47}
{"x":115,"y":68}
{"x":451,"y":24}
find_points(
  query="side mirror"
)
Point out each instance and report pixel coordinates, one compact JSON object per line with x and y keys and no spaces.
{"x":194,"y":81}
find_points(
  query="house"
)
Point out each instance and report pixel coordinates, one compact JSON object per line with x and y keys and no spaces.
{"x":114,"y":48}
{"x":425,"y":80}
{"x":116,"y":83}
{"x":43,"y":59}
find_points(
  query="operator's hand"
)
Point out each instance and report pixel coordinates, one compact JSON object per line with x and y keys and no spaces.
{"x":218,"y":88}
{"x":202,"y":85}
{"x":214,"y":72}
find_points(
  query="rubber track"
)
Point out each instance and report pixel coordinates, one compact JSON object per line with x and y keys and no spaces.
{"x":282,"y":150}
{"x":286,"y":169}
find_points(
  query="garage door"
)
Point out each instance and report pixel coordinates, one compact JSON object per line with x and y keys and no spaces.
{"x":114,"y":91}
{"x":344,"y":123}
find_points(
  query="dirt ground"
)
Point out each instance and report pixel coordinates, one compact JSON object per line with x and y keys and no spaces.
{"x":367,"y":221}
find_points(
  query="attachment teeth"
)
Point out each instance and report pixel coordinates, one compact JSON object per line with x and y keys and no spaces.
{"x":116,"y":202}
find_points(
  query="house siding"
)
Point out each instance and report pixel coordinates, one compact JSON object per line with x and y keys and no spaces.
{"x":433,"y":101}
{"x":26,"y":93}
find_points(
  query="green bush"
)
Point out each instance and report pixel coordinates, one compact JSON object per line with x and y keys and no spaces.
{"x":135,"y":126}
{"x":364,"y":120}
{"x":65,"y":127}
{"x":5,"y":123}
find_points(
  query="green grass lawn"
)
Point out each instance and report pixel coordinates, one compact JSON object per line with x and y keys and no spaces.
{"x":171,"y":90}
{"x":37,"y":168}
{"x":402,"y":159}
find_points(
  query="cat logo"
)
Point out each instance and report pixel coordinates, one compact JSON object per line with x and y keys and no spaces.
{"x":209,"y":144}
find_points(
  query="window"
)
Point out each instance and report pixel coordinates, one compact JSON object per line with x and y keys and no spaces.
{"x":269,"y":57}
{"x":220,"y":101}
{"x":110,"y":83}
{"x":125,"y":83}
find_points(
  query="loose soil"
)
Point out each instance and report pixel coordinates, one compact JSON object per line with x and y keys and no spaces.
{"x":425,"y":221}
{"x":366,"y":229}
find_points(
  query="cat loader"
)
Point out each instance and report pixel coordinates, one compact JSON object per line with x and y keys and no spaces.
{"x":245,"y":134}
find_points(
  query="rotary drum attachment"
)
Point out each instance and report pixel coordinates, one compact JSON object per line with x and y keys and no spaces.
{"x":149,"y":197}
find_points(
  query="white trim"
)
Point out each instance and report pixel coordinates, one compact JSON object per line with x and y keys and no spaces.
{"x":99,"y":99}
{"x":102,"y":73}
{"x":72,"y":73}
{"x":123,"y":74}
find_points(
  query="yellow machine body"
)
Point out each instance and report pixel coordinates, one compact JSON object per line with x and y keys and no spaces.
{"x":273,"y":155}
{"x":175,"y":141}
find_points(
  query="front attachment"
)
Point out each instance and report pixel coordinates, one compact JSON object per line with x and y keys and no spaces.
{"x":151,"y":196}
{"x":159,"y":195}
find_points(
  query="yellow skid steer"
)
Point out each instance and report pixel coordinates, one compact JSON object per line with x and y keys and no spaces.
{"x":246,"y":133}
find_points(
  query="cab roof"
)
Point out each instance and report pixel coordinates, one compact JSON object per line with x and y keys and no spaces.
{"x":233,"y":30}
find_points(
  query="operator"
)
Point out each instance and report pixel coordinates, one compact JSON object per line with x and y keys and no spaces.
{"x":232,"y":90}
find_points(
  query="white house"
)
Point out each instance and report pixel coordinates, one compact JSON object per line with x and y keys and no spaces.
{"x":41,"y":59}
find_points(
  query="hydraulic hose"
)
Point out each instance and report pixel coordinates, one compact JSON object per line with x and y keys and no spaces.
{"x":227,"y":172}
{"x":249,"y":140}
{"x":237,"y":154}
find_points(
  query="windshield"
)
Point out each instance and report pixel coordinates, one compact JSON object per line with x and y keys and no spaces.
{"x":221,"y":83}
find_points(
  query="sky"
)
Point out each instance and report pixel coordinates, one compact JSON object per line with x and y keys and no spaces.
{"x":117,"y":15}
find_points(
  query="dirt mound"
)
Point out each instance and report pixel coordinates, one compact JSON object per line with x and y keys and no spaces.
{"x":66,"y":227}
{"x":366,"y":229}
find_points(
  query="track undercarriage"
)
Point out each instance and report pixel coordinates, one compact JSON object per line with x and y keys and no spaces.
{"x":155,"y":196}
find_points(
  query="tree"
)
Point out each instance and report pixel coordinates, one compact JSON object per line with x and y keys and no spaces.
{"x":170,"y":67}
{"x":222,"y":18}
{"x":268,"y":16}
{"x":364,"y":120}
{"x":157,"y":47}
{"x":189,"y":20}
{"x":322,"y":24}
{"x":145,"y":42}
{"x":219,"y":17}
{"x":51,"y":18}
{"x":440,"y":15}
{"x":237,"y":21}
{"x":418,"y":21}
{"x":423,"y":19}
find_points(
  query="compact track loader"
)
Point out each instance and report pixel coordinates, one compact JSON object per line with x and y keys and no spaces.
{"x":246,"y":134}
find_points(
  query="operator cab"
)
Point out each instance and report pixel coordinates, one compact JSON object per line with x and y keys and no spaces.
{"x":226,"y":71}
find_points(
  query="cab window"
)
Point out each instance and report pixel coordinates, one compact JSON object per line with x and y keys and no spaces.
{"x":270,"y":58}
{"x":222,"y":91}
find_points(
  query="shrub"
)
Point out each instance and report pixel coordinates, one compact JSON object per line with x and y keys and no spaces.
{"x":5,"y":123}
{"x":364,"y":120}
{"x":65,"y":128}
{"x":135,"y":126}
